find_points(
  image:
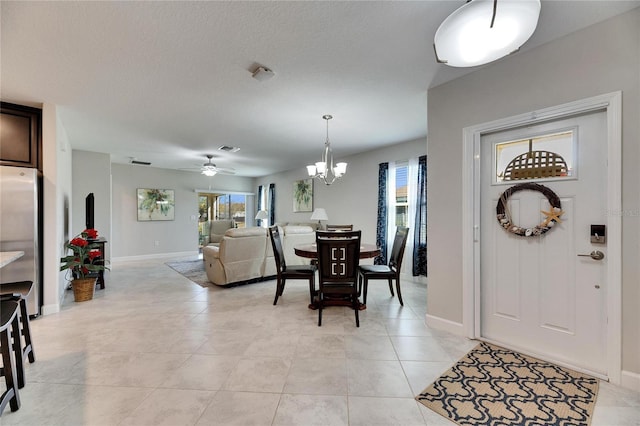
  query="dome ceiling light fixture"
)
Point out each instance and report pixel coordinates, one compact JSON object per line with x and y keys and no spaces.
{"x":324,"y":170}
{"x":484,"y":31}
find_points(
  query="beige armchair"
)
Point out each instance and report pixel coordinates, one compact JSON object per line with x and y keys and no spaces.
{"x":242,"y":256}
{"x":246,"y":254}
{"x":217,"y":228}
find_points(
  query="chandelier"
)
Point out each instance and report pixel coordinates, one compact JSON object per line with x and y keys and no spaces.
{"x":325,"y":170}
{"x":482,"y":31}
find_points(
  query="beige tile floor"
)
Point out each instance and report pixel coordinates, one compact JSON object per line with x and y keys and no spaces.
{"x":156,"y":349}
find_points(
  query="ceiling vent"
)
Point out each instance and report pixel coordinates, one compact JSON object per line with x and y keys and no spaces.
{"x":140,"y":163}
{"x":227,"y":148}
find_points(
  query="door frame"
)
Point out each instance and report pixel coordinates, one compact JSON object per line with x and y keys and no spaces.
{"x":611,"y":104}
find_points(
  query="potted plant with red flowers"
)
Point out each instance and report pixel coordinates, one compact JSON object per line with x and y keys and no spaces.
{"x":84,"y":262}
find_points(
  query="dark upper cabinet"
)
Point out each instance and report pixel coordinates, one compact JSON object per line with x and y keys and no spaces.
{"x":20,"y":136}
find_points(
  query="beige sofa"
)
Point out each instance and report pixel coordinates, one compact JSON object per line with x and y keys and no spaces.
{"x":245,"y":254}
{"x":294,"y":235}
{"x":312,"y":225}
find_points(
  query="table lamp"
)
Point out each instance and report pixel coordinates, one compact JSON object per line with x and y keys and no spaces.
{"x":319,"y":214}
{"x":262,"y":215}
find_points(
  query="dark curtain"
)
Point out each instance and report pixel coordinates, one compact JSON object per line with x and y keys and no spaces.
{"x":381,"y":226}
{"x":259,"y":221}
{"x":420,"y":233}
{"x":272,"y":204}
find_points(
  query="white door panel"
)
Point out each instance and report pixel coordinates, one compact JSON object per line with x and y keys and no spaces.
{"x":536,"y":294}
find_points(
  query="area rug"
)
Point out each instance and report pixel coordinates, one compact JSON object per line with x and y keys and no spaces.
{"x":496,"y":386}
{"x":193,"y":270}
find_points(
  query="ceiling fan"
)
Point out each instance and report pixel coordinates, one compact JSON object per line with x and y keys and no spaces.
{"x":210,"y":169}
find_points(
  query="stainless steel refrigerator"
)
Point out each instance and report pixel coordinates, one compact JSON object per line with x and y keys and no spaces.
{"x":20,"y":229}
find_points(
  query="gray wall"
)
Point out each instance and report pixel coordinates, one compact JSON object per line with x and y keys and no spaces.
{"x":131,"y":238}
{"x":92,"y":173}
{"x":600,"y":59}
{"x":352,"y":199}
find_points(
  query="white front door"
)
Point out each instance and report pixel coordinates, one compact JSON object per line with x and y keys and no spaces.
{"x":537,"y":294}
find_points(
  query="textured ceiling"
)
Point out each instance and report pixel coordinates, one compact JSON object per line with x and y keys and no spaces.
{"x":168,"y":82}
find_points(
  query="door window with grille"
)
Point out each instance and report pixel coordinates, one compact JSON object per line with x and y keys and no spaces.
{"x":547,"y":156}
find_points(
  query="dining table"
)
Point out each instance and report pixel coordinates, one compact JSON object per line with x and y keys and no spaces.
{"x":310,"y":251}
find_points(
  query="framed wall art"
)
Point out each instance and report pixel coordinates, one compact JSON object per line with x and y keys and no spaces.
{"x":303,"y":195}
{"x":155,"y":204}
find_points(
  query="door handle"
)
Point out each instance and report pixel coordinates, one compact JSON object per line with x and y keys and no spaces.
{"x":595,"y":255}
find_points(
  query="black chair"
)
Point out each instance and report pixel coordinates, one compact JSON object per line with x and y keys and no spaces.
{"x":339,"y":228}
{"x":11,"y":353}
{"x":19,"y":291}
{"x":297,"y":272}
{"x":387,"y":272}
{"x":338,"y":260}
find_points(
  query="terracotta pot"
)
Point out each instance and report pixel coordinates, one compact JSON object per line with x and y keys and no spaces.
{"x":83,"y":288}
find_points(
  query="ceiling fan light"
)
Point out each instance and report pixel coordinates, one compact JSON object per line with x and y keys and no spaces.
{"x":209,"y":172}
{"x":466,"y":38}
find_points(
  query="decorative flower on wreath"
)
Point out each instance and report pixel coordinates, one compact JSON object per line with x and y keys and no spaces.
{"x":552,"y":216}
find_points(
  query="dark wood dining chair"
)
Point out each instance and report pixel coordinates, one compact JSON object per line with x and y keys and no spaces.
{"x":297,"y":272}
{"x":20,"y":291}
{"x":339,"y":228}
{"x":11,"y":353}
{"x":338,"y":260}
{"x":390,"y":271}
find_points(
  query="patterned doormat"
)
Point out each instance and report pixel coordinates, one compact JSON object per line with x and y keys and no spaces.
{"x":495,"y":386}
{"x":193,"y":270}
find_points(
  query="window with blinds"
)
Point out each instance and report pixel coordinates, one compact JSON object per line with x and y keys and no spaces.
{"x":401,"y":199}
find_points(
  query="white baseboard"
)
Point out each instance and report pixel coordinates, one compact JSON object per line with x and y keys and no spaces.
{"x":630,"y":380}
{"x":420,"y":279}
{"x":153,"y":256}
{"x":444,"y":324}
{"x":50,"y":309}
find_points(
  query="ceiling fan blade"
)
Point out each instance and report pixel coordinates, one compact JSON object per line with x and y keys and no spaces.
{"x":209,"y":165}
{"x":225,"y":171}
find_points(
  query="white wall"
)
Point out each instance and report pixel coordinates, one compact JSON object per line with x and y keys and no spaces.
{"x":92,"y":173}
{"x":57,"y":195}
{"x":130,"y":238}
{"x":600,"y":59}
{"x":353,"y":199}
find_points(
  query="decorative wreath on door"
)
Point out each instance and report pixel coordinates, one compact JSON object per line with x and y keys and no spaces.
{"x":552,"y":216}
